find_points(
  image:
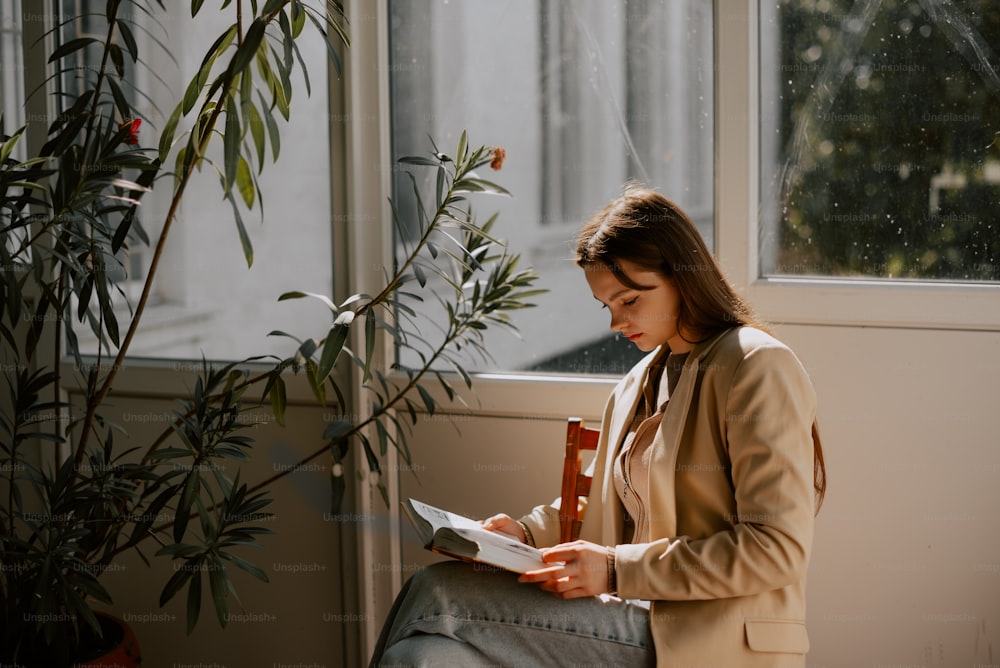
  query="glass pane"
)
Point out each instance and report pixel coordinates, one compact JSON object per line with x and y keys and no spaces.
{"x":205,"y":300}
{"x":12,"y":96}
{"x":583,"y":96}
{"x":879,"y":126}
{"x":12,"y":71}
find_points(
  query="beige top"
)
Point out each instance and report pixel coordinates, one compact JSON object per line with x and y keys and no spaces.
{"x":631,"y":479}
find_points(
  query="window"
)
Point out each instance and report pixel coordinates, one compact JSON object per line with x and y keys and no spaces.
{"x":79,"y":70}
{"x":12,"y":70}
{"x":879,"y":139}
{"x":205,"y":301}
{"x":583,"y":96}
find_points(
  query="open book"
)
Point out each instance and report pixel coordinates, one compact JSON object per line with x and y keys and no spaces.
{"x":462,"y":538}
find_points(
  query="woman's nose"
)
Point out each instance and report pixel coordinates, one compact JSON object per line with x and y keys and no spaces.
{"x":617,"y":322}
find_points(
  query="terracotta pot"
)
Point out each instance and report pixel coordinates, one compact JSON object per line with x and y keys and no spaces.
{"x":124,"y":647}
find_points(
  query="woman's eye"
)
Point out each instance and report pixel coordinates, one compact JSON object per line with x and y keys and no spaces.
{"x":631,"y":301}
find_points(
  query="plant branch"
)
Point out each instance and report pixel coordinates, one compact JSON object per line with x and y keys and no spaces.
{"x":105,"y":388}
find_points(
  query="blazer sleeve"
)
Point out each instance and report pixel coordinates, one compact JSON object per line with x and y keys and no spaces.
{"x":770,"y":407}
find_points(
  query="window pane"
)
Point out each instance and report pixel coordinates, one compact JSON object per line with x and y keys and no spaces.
{"x":879,"y":126}
{"x":583,"y":96}
{"x":205,"y":300}
{"x":12,"y":96}
{"x":12,"y":70}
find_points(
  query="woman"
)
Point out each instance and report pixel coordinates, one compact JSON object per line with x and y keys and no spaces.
{"x":708,"y":474}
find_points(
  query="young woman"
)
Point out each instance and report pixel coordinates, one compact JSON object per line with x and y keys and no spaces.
{"x":709,"y":472}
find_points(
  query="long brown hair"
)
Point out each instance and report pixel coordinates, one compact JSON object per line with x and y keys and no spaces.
{"x":647,"y":229}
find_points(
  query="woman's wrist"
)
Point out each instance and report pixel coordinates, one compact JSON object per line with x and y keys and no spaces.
{"x":528,"y":538}
{"x":612,"y":577}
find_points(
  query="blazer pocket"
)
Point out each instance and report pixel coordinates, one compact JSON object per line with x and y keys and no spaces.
{"x":777,"y":635}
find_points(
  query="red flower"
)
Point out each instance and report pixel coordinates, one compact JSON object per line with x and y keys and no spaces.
{"x":498,"y":157}
{"x":133,"y":130}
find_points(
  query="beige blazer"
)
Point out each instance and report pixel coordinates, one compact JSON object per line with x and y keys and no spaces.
{"x":731,"y":505}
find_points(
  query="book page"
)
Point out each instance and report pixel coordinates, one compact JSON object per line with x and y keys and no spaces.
{"x":442,"y":518}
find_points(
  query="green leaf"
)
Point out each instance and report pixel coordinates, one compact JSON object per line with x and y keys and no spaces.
{"x":256,"y":124}
{"x":117,"y":59}
{"x":191,"y":487}
{"x":335,"y":340}
{"x":369,"y":344}
{"x":274,"y":134}
{"x":272,"y":6}
{"x":428,"y":399}
{"x":419,"y":160}
{"x":218,"y":579}
{"x":418,"y":271}
{"x":248,"y":49}
{"x":471,"y":184}
{"x":195,"y":6}
{"x":194,"y":599}
{"x":247,"y":566}
{"x":279,"y":400}
{"x":71,"y":46}
{"x":244,"y":182}
{"x":121,"y":233}
{"x":330,"y":49}
{"x":9,"y":145}
{"x":201,"y":78}
{"x":298,"y":18}
{"x":241,"y":229}
{"x":121,"y":102}
{"x":462,"y":147}
{"x":298,"y":295}
{"x":129,"y":39}
{"x":383,"y":438}
{"x":231,"y":142}
{"x":107,"y":308}
{"x":169,"y":130}
{"x":177,"y":581}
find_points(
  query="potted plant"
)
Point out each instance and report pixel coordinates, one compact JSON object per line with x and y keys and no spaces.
{"x":78,"y":491}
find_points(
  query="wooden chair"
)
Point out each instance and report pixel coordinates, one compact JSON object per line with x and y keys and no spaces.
{"x":575,"y":484}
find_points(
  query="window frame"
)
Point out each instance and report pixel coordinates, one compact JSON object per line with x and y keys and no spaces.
{"x":792,"y":299}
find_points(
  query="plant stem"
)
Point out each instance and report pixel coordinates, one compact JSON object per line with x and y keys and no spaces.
{"x":105,"y":388}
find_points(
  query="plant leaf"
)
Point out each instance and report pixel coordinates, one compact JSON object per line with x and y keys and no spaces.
{"x":335,"y":340}
{"x":194,"y":600}
{"x":241,"y":229}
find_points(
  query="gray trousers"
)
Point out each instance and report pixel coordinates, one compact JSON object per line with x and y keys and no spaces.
{"x":467,"y":615}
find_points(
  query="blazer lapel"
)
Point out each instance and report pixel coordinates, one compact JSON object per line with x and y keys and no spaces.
{"x":618,"y":417}
{"x":662,"y":504}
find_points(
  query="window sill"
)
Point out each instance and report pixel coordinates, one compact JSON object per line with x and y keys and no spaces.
{"x":877,"y":303}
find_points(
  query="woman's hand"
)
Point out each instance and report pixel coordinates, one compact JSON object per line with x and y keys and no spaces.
{"x":584,"y":571}
{"x":505,"y":524}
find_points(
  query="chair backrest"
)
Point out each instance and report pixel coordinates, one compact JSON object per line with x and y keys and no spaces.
{"x":575,"y":484}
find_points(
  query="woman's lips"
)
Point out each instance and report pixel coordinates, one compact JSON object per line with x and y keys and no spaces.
{"x":633,"y":337}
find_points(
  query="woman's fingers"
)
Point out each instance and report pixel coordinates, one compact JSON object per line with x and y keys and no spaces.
{"x":504,"y":524}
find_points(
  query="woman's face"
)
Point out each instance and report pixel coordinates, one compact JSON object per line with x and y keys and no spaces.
{"x":647,"y":317}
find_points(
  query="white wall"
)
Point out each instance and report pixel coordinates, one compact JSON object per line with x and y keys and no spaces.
{"x":906,"y":567}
